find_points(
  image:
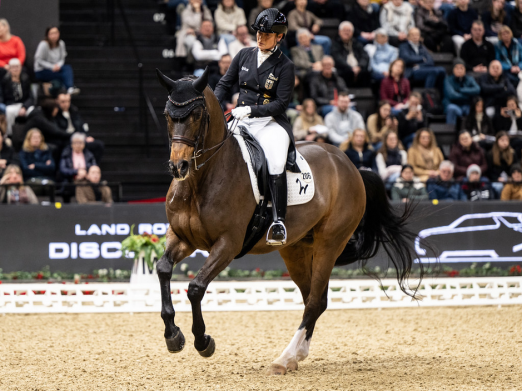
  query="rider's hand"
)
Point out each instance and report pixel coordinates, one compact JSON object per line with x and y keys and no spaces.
{"x":241,"y":112}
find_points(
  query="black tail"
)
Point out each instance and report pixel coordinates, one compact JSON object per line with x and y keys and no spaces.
{"x":382,"y":226}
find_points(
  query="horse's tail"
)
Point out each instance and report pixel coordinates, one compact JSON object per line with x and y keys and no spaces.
{"x":382,"y":226}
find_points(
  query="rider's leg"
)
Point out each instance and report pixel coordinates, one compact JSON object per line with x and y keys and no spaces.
{"x":275,"y":142}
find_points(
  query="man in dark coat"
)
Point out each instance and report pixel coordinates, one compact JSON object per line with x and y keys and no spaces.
{"x":351,"y":60}
{"x":495,"y":88}
{"x":326,"y":85}
{"x":365,"y":20}
{"x":266,"y":81}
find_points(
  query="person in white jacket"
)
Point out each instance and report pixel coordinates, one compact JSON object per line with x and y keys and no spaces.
{"x":228,"y":18}
{"x":207,"y":48}
{"x":397,"y":19}
{"x":342,"y":121}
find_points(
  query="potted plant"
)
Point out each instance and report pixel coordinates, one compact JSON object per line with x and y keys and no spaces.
{"x":146,"y":249}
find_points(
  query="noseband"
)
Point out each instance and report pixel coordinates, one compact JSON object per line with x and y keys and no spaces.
{"x":190,"y":105}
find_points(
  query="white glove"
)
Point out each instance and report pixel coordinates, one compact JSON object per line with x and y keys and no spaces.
{"x":241,"y":112}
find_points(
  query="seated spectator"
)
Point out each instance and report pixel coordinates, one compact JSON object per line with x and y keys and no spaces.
{"x":76,"y":159}
{"x":8,"y":155}
{"x":424,"y":155}
{"x":479,"y":124}
{"x":207,"y":48}
{"x":70,"y":120}
{"x":214,"y":77}
{"x":411,"y":119}
{"x":295,"y":106}
{"x":459,"y":90}
{"x":383,"y":56}
{"x":11,"y":46}
{"x":433,"y":27}
{"x":306,"y":56}
{"x":36,"y":158}
{"x":261,"y":6}
{"x":407,"y":187}
{"x":243,"y":40}
{"x":342,"y":121}
{"x":380,"y":123}
{"x":304,"y":125}
{"x":477,"y":52}
{"x":14,"y":192}
{"x":228,"y":17}
{"x":300,"y":18}
{"x":509,"y":118}
{"x":351,"y":60}
{"x":476,"y":188}
{"x":391,"y":157}
{"x":15,"y":94}
{"x":327,"y":9}
{"x":419,"y":63}
{"x":494,"y":19}
{"x":360,"y":151}
{"x":445,"y":6}
{"x":397,"y":19}
{"x":326,"y":86}
{"x":495,"y":88}
{"x":460,"y":20}
{"x":443,"y":187}
{"x":395,"y":88}
{"x":465,"y":153}
{"x":49,"y":61}
{"x":513,"y":189}
{"x":191,"y":19}
{"x":516,"y":22}
{"x":509,"y":52}
{"x":501,"y":159}
{"x":365,"y":20}
{"x":93,"y":191}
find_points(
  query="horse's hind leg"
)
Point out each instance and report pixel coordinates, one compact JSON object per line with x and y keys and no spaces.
{"x":175,"y":252}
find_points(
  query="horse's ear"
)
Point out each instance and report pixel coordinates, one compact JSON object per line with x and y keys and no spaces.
{"x":165,"y":81}
{"x":200,"y":83}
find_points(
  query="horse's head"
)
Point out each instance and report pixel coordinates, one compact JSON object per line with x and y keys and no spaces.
{"x":187,"y":117}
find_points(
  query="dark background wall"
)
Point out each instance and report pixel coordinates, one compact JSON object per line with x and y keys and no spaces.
{"x":29,"y":19}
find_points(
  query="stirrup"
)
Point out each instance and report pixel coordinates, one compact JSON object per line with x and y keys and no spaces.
{"x":272,"y":242}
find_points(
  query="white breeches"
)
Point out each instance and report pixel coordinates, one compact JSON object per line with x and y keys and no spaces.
{"x":273,"y":139}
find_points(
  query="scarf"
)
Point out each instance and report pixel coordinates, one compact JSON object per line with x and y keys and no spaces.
{"x":262,"y":56}
{"x":404,"y":10}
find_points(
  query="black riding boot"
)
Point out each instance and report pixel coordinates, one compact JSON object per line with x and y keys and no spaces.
{"x":278,"y":189}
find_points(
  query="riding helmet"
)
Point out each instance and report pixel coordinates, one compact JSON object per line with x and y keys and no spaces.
{"x":271,"y":21}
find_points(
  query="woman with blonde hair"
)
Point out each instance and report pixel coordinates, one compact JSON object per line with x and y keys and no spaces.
{"x":360,"y":151}
{"x":424,"y":155}
{"x":36,"y":158}
{"x":391,"y":157}
{"x":11,"y":46}
{"x":303,"y":127}
{"x":12,"y":190}
{"x":509,"y":52}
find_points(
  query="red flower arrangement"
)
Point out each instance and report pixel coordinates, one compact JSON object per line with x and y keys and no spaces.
{"x":515,"y":271}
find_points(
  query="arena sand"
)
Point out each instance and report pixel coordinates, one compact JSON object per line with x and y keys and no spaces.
{"x":400,"y":349}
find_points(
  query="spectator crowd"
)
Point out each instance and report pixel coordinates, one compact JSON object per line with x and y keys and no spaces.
{"x":389,"y":48}
{"x":44,"y":142}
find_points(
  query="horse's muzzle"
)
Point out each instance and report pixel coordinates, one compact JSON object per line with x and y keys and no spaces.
{"x":180,"y":170}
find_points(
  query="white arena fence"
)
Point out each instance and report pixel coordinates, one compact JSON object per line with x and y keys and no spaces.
{"x":263,"y":295}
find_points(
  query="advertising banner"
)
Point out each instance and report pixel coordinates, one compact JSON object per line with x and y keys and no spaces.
{"x":80,"y":238}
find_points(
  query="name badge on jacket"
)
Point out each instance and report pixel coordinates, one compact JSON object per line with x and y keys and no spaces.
{"x":270,"y":81}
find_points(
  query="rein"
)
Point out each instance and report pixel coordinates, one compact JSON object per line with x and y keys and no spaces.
{"x":201,"y":134}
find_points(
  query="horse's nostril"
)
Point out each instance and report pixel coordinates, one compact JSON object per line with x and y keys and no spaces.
{"x":183,"y":167}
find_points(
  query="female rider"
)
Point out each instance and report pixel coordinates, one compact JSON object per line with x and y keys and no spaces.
{"x":266,"y":82}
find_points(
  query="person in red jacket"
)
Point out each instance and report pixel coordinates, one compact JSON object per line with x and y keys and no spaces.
{"x":395,"y":89}
{"x":11,"y":46}
{"x":465,"y":153}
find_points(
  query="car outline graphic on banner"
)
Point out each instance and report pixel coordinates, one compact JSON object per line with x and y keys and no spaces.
{"x":497,"y":221}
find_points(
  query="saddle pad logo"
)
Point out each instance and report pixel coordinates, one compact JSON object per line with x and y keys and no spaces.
{"x":307,"y":176}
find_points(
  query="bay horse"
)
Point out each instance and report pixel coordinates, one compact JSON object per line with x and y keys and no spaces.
{"x":210,"y":203}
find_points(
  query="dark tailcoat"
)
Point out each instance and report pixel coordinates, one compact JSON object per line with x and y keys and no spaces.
{"x":267,"y":90}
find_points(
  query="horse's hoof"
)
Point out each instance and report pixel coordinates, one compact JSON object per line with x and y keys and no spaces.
{"x":176,"y":344}
{"x":209,"y":351}
{"x":292,"y":365}
{"x":276,"y":369}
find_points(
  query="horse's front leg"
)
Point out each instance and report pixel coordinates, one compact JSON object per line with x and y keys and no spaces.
{"x":221,"y":254}
{"x":175,"y":252}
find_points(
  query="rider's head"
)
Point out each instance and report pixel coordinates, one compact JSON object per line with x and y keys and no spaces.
{"x":271,"y":27}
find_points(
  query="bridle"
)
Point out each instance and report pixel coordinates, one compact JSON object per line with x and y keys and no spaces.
{"x":202,"y":133}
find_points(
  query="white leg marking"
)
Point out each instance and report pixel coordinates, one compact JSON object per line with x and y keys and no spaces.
{"x":303,"y":349}
{"x":290,"y":353}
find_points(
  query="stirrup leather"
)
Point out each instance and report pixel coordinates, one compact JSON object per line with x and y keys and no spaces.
{"x":273,"y":242}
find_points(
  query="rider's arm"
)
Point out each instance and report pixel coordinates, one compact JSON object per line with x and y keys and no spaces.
{"x":283,"y":95}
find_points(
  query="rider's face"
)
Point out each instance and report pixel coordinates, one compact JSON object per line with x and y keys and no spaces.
{"x":266,"y":41}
